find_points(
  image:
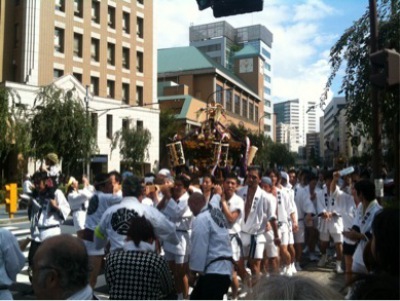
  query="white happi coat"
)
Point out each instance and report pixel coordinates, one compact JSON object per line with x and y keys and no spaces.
{"x":262,"y":211}
{"x":79,"y":202}
{"x":179,"y":213}
{"x":285,"y":208}
{"x":304,"y":205}
{"x":115,"y":223}
{"x":45,"y":222}
{"x":98,"y":204}
{"x":210,"y":240}
{"x":329,"y":203}
{"x":363,"y":223}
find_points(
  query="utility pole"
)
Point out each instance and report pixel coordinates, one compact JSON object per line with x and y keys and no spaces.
{"x":376,"y":106}
{"x":87,"y":120}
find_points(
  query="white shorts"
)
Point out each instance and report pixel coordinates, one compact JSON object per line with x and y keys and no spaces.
{"x":291,"y":237}
{"x":284,"y":234}
{"x":337,"y":237}
{"x":299,"y":236}
{"x":179,"y":259}
{"x":91,"y":248}
{"x":253,"y":245}
{"x":237,"y":246}
{"x":182,"y":248}
{"x":270,"y":247}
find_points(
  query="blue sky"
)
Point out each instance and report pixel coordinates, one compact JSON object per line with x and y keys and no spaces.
{"x":304,"y":31}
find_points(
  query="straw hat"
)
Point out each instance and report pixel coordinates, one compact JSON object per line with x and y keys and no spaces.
{"x":52,"y":157}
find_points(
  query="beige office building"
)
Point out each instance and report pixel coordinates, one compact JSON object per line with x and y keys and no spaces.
{"x":106,"y":45}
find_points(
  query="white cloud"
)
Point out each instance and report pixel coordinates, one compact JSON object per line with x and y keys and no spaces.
{"x":300,"y":48}
{"x":312,"y":10}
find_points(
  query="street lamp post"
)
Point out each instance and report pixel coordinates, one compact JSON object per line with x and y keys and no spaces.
{"x":259,"y":119}
{"x":376,"y":106}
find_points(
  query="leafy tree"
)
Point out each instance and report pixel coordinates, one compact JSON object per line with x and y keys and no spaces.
{"x":353,"y":47}
{"x":169,"y":126}
{"x":61,"y":126}
{"x":280,"y":155}
{"x":133,"y":144}
{"x":15,"y":132}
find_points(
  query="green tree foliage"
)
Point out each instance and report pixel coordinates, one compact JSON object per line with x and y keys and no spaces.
{"x":353,"y":47}
{"x":168,"y":128}
{"x":14,"y":124}
{"x":61,"y":126}
{"x":280,"y":155}
{"x":134,"y":147}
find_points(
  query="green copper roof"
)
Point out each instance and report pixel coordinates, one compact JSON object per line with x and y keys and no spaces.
{"x":188,"y":58}
{"x":247,"y":51}
{"x":178,"y":59}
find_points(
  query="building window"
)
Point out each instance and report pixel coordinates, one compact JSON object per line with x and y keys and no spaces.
{"x":139,"y":27}
{"x":94,"y":85}
{"x":58,"y":73}
{"x":78,"y":8}
{"x":109,"y":126}
{"x":125,"y":57}
{"x":95,"y":50}
{"x":267,"y":103}
{"x":96,"y":11}
{"x":59,"y":40}
{"x":78,"y":44}
{"x":267,"y":78}
{"x":228,"y":100}
{"x":237,"y":104}
{"x":139,"y":96}
{"x":266,"y":53}
{"x":125,"y":124}
{"x":256,"y":113}
{"x":111,"y":54}
{"x":60,"y":5}
{"x":141,"y":2}
{"x":111,"y":17}
{"x":267,"y":90}
{"x":244,"y":108}
{"x":78,"y":76}
{"x":251,"y":111}
{"x":125,"y":93}
{"x":126,"y":17}
{"x":267,"y":128}
{"x":110,"y":89}
{"x":139,"y":61}
{"x":218,"y":94}
{"x":267,"y":66}
{"x":139,"y":125}
{"x":16,"y":35}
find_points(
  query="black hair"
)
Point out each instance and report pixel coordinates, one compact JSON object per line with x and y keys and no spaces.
{"x":233,"y":176}
{"x":367,"y":188}
{"x":185,"y":179}
{"x":116,"y":174}
{"x":211,"y":177}
{"x":386,"y":230}
{"x":132,"y":186}
{"x":255,"y":168}
{"x":140,"y":230}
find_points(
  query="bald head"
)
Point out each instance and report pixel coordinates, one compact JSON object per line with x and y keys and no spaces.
{"x":196,"y":202}
{"x":60,"y":267}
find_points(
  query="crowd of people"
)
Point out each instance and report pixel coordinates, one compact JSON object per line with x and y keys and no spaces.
{"x":161,"y":234}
